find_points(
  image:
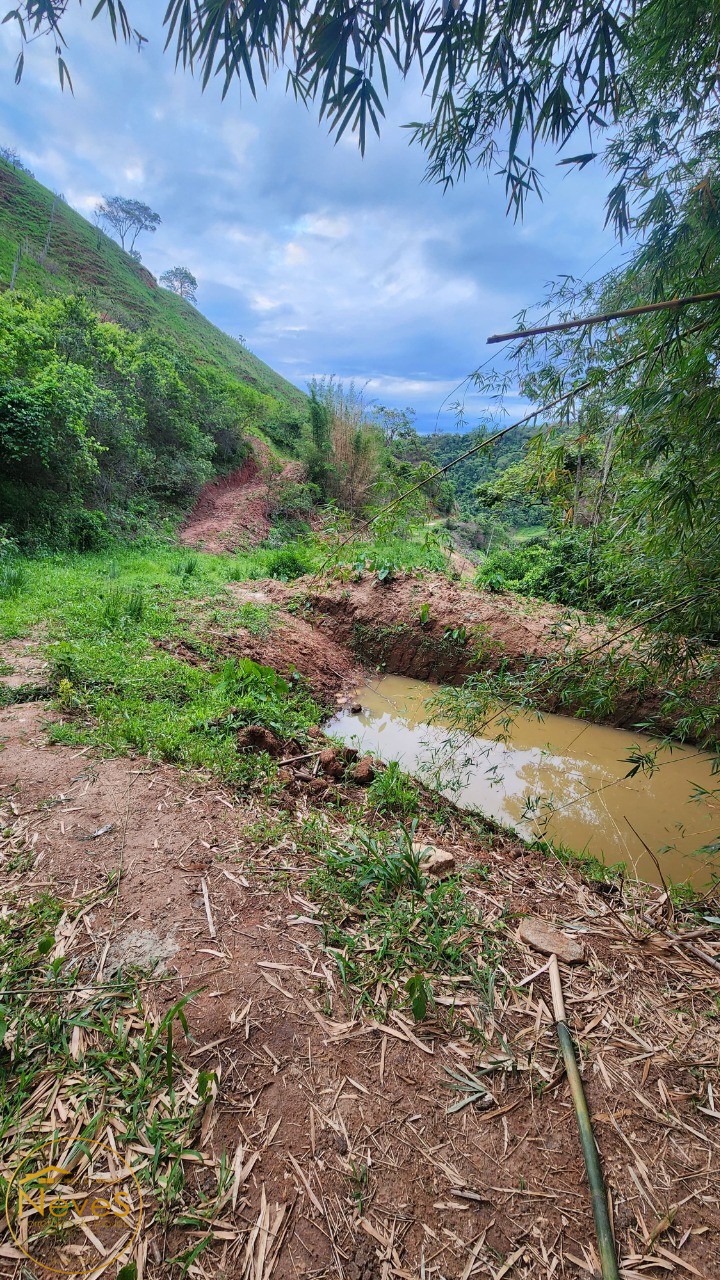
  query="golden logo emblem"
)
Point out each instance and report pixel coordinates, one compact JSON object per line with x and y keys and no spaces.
{"x":71,"y":1214}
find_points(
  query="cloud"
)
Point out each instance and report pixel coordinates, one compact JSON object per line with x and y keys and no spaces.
{"x":323,"y":260}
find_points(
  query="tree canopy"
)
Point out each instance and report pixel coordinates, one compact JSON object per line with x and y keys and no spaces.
{"x":501,"y":76}
{"x":127,"y":218}
{"x":181,"y":281}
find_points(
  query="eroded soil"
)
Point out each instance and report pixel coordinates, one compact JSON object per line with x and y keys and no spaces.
{"x":344,"y":1119}
{"x":233,"y":512}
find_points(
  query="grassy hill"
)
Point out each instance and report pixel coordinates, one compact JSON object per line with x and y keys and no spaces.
{"x":61,"y":253}
{"x":118,"y":399}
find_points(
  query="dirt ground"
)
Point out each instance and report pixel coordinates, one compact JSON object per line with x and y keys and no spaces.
{"x":233,"y":513}
{"x":313,"y":1093}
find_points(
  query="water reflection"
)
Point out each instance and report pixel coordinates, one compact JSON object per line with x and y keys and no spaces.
{"x":554,"y":776}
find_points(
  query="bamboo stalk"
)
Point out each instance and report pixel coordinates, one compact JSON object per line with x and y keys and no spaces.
{"x":603,"y":1230}
{"x":583,"y":321}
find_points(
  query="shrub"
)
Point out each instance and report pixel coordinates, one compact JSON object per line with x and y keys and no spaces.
{"x":568,"y":568}
{"x":286,"y":564}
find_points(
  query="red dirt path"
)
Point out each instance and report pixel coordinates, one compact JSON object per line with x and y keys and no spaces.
{"x":233,"y":512}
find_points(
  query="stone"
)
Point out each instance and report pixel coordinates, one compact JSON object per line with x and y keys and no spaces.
{"x":539,"y":934}
{"x":355,"y":708}
{"x":364,"y":771}
{"x":434,"y":861}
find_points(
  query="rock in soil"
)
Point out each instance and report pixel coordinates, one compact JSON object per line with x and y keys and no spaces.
{"x":435,"y":861}
{"x":331,"y":764}
{"x":540,"y":935}
{"x":255,"y":737}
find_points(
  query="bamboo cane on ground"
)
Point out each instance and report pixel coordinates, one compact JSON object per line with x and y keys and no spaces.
{"x":603,"y":1229}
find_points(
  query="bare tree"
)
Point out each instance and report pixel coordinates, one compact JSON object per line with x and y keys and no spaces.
{"x":181,"y":281}
{"x":127,"y":218}
{"x":11,"y":156}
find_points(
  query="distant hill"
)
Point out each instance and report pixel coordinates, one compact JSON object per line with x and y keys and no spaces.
{"x":60,"y":252}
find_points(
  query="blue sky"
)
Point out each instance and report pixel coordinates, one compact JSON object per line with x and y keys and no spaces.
{"x":326,"y":262}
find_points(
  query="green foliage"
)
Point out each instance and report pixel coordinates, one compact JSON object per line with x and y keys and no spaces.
{"x":287,"y":563}
{"x":82,"y":259}
{"x":256,"y":618}
{"x":117,"y":399}
{"x":471,"y":478}
{"x":101,"y":429}
{"x":13,"y":576}
{"x":342,"y":448}
{"x":390,"y":929}
{"x":572,"y":567}
{"x":113,"y":622}
{"x":502,"y":81}
{"x":392,"y":791}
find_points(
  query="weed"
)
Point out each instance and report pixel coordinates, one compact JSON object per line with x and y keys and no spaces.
{"x":393,"y":933}
{"x":13,"y":577}
{"x":392,"y":791}
{"x":122,"y":607}
{"x":359,"y":1176}
{"x":256,"y":618}
{"x":187,"y":567}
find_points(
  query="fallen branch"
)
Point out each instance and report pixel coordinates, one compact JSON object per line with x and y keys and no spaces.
{"x":605,"y":1238}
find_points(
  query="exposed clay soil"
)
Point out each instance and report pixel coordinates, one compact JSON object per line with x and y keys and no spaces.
{"x":232,"y":513}
{"x":495,"y":1193}
{"x":379,"y":625}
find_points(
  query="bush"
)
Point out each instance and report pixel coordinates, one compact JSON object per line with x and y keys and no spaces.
{"x":286,"y":564}
{"x":104,"y":431}
{"x":571,"y":568}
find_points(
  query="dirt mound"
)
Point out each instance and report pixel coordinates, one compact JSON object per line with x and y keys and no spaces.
{"x":433,"y":629}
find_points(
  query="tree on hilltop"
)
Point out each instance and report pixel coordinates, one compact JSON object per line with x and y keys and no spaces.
{"x":11,"y":156}
{"x":127,"y":218}
{"x":181,"y":281}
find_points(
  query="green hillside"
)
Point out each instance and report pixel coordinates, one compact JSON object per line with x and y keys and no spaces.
{"x":78,"y":257}
{"x":118,"y":399}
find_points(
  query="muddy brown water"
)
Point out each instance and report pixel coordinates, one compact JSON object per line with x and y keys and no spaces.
{"x":555,"y":777}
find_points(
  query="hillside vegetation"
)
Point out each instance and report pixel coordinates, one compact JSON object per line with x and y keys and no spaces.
{"x":80,"y":258}
{"x":118,"y":399}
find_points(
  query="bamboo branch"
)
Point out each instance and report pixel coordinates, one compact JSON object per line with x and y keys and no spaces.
{"x":609,"y":315}
{"x":485,"y":444}
{"x":605,"y":1238}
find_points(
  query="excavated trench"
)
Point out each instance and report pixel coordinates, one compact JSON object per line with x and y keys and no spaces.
{"x":388,"y":647}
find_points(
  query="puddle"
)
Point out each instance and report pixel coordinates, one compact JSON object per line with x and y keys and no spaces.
{"x":558,"y":777}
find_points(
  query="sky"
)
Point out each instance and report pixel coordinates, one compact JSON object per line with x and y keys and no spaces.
{"x":326,"y":262}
